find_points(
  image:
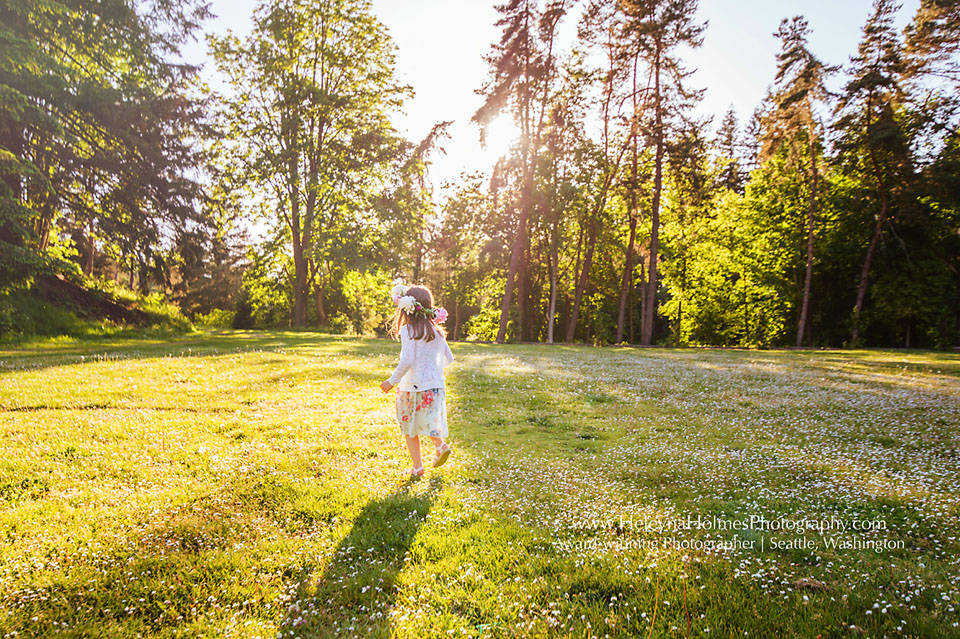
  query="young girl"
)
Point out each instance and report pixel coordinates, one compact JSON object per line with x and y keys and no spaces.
{"x":421,"y":406}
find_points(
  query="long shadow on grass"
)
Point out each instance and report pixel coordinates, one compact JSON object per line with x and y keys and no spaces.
{"x":14,"y":359}
{"x":356,"y":591}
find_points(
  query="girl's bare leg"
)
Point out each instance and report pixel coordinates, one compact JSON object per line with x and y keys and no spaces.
{"x":437,"y":442}
{"x":413,"y":445}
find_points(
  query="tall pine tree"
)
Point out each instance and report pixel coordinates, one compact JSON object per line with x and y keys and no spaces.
{"x":872,"y":143}
{"x":793,"y":123}
{"x":522,"y":73}
{"x":661,"y":29}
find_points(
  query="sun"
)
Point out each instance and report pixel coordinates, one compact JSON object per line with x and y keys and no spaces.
{"x":501,"y":134}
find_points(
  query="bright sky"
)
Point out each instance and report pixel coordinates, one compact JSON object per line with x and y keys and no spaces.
{"x":440,"y":48}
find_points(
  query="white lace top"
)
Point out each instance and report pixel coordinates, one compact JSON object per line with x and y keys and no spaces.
{"x":421,"y":362}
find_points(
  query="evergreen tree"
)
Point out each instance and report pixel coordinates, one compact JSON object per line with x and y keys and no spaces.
{"x":659,"y":29}
{"x":522,"y":72}
{"x":872,"y":142}
{"x":933,"y":41}
{"x":793,"y":124}
{"x":210,"y":258}
{"x":601,"y":27}
{"x":728,"y":144}
{"x":692,"y":185}
{"x":566,"y":172}
{"x":96,"y":130}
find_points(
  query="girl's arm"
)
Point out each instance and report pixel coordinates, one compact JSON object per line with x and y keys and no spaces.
{"x":406,"y":357}
{"x":447,"y":354}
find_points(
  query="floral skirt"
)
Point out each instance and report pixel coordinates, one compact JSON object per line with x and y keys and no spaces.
{"x":422,"y":413}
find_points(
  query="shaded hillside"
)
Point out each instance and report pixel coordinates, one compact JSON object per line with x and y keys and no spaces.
{"x":88,"y":303}
{"x":56,"y":305}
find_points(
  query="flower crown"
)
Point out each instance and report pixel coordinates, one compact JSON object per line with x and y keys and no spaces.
{"x":409,"y":304}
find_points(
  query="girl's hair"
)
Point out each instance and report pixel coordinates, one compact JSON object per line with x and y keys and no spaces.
{"x":421,"y":327}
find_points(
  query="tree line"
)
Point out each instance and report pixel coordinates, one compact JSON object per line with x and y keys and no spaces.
{"x":828,"y":217}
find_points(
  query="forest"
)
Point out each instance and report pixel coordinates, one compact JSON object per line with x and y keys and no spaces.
{"x":825,"y":218}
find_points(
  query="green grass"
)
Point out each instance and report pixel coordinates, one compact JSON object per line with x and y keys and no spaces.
{"x":246,"y":484}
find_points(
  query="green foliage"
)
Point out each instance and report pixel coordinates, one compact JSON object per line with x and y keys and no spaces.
{"x":462,"y":251}
{"x":264,"y":300}
{"x":96,"y":131}
{"x":339,"y":324}
{"x":164,"y":314}
{"x":23,"y":314}
{"x":485,"y":324}
{"x":243,"y":313}
{"x":19,"y":266}
{"x":210,"y":259}
{"x":102,"y":140}
{"x":308,"y":125}
{"x":736,"y":286}
{"x":217,"y":318}
{"x":368,"y":303}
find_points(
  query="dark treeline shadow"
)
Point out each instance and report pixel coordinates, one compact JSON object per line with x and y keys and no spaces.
{"x":15,"y":358}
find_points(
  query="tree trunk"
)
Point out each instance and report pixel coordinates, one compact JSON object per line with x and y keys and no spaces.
{"x":874,"y":239}
{"x":576,"y":270}
{"x":533,"y":332}
{"x":456,"y":319}
{"x":643,"y":295}
{"x":299,"y":264}
{"x":90,"y":256}
{"x":44,"y":225}
{"x":299,"y":227}
{"x":143,"y":280}
{"x":865,"y":271}
{"x":522,"y":290}
{"x":554,"y":259}
{"x":582,"y":282}
{"x":299,"y":288}
{"x":625,"y":282}
{"x":511,"y":276}
{"x":811,"y":214}
{"x":628,"y":262}
{"x":683,"y":291}
{"x":650,"y":303}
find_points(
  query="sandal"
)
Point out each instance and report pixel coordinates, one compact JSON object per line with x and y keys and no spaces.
{"x":441,"y":455}
{"x":415,"y":472}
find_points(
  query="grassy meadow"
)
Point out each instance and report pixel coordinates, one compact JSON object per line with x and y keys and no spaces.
{"x":244,"y":484}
